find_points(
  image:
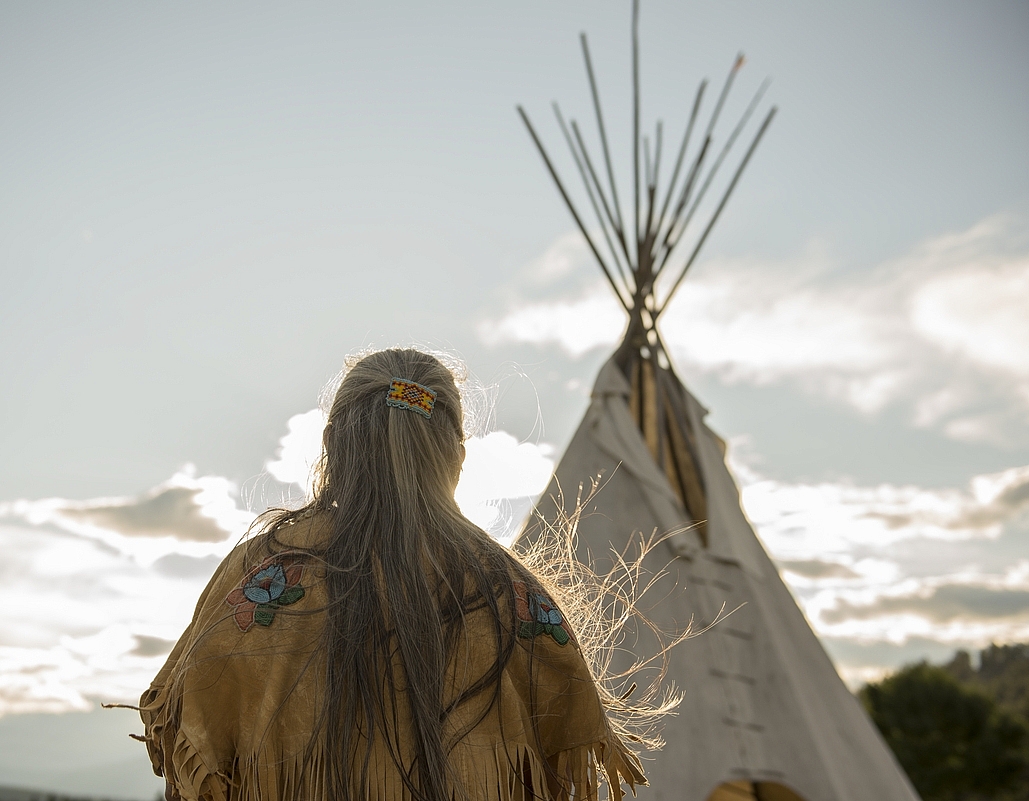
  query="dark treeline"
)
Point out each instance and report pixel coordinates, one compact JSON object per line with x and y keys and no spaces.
{"x":960,"y":731}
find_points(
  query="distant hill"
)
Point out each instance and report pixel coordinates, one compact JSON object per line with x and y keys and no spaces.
{"x":21,"y":794}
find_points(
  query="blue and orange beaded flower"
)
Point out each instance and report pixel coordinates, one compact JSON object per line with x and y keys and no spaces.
{"x":264,"y":590}
{"x":537,"y":614}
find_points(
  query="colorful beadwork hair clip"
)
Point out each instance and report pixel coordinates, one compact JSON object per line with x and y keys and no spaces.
{"x":406,"y":394}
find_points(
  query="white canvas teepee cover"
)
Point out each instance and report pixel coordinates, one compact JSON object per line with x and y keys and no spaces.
{"x":765,"y":712}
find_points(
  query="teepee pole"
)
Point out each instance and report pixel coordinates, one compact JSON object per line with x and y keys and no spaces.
{"x":698,"y":162}
{"x":603,"y":138}
{"x":646,"y":162}
{"x":682,"y":153}
{"x":718,"y":211}
{"x":589,"y":193}
{"x":684,"y":196}
{"x":659,"y":410}
{"x":619,"y":235}
{"x":711,"y":174}
{"x":636,"y":122}
{"x":648,"y":234}
{"x":658,"y":145}
{"x":571,"y":207}
{"x":737,"y":65}
{"x":648,"y":167}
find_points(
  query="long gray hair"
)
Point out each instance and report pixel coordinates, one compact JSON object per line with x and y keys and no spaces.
{"x":403,"y":567}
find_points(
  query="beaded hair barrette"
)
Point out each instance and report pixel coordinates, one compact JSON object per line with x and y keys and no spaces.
{"x":406,"y":394}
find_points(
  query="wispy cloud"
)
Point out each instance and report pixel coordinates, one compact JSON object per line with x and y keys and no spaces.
{"x":97,"y":590}
{"x":942,"y":604}
{"x":940,"y":331}
{"x":580,"y":325}
{"x":498,"y":470}
{"x":186,"y":507}
{"x":299,"y":450}
{"x":805,"y":521}
{"x":167,"y":511}
{"x":85,"y":620}
{"x":817,"y":569}
{"x":898,"y":569}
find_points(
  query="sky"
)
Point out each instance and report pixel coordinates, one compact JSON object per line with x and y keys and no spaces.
{"x":205,"y":208}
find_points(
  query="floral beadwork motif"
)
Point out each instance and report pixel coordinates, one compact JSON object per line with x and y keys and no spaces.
{"x":405,"y":394}
{"x":537,"y":614}
{"x":265,"y":589}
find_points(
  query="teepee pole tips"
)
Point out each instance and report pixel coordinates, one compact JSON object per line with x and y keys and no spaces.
{"x":603,"y":136}
{"x":718,"y":210}
{"x":579,"y":163}
{"x":571,"y":207}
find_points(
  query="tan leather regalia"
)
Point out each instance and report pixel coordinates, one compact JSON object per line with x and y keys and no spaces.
{"x":230,"y":716}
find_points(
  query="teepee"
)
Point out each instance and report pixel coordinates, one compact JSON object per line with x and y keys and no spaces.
{"x":765,"y":714}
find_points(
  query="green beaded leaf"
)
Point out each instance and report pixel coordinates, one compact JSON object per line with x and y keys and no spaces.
{"x":559,"y":634}
{"x":529,"y":630}
{"x":290,"y":595}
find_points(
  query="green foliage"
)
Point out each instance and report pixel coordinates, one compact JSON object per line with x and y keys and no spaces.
{"x":1003,"y":674}
{"x":955,"y":742}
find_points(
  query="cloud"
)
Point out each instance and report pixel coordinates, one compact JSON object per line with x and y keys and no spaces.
{"x":559,"y":262}
{"x":890,"y":565}
{"x":498,"y":470}
{"x":62,"y":678}
{"x":976,"y":313}
{"x":580,"y":325}
{"x":151,"y":646}
{"x":100,"y":589}
{"x":963,"y":611}
{"x":186,"y":507}
{"x":97,"y":590}
{"x":577,"y":312}
{"x":167,"y":511}
{"x":498,"y":473}
{"x":863,"y":661}
{"x":800,"y":521}
{"x":940,"y":331}
{"x":940,"y":605}
{"x":179,"y":565}
{"x":817,"y":569}
{"x":299,"y":450}
{"x":499,"y":466}
{"x":84,"y":620}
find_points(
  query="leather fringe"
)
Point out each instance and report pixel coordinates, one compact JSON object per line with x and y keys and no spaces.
{"x":514,"y":772}
{"x":578,"y":772}
{"x":192,"y":779}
